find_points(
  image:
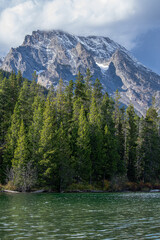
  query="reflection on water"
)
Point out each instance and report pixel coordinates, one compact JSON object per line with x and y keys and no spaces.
{"x":80,"y":216}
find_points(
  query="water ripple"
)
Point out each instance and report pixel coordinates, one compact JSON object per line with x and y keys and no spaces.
{"x":80,"y":216}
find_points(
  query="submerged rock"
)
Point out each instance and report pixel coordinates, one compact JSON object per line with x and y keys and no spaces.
{"x":39,"y":191}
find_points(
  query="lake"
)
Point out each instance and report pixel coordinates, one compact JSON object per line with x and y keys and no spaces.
{"x":80,"y":216}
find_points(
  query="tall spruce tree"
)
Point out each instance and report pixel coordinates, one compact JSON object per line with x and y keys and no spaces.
{"x":21,"y":153}
{"x":14,"y":88}
{"x":60,"y":105}
{"x":23,"y":174}
{"x":19,"y":79}
{"x":131,"y":144}
{"x":79,"y":91}
{"x":47,"y":141}
{"x":110,"y":157}
{"x":110,"y":150}
{"x":97,"y":91}
{"x":96,"y":136}
{"x":120,"y":132}
{"x":69,"y":101}
{"x":63,"y":171}
{"x":121,"y":143}
{"x":35,"y":128}
{"x":83,"y":160}
{"x":88,"y":89}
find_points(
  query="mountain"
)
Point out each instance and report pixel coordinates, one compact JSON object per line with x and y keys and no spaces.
{"x":56,"y":54}
{"x":1,"y":61}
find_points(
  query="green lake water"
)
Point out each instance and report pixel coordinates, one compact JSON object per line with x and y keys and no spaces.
{"x":80,"y":216}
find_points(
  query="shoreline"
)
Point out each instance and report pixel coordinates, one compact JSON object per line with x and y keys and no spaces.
{"x":84,"y":191}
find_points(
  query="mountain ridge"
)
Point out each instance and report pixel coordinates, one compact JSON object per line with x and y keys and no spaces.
{"x":57,"y":54}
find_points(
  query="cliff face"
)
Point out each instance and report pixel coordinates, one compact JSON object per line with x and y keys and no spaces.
{"x":56,"y":54}
{"x":1,"y":60}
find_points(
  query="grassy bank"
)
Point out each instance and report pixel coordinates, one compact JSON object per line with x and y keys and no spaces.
{"x":108,"y":186}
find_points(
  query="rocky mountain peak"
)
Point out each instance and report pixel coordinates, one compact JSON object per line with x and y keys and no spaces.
{"x":57,"y":54}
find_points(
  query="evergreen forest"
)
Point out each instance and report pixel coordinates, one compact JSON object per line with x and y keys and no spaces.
{"x":73,"y":135}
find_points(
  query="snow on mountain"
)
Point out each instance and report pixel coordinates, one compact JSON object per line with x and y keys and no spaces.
{"x":104,"y":67}
{"x":39,"y":72}
{"x":56,"y":54}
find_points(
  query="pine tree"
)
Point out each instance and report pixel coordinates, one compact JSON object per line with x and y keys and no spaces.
{"x":23,"y":104}
{"x":83,"y":149}
{"x":116,"y":113}
{"x":63,"y":171}
{"x":120,"y":131}
{"x":60,"y":105}
{"x":1,"y":77}
{"x":23,"y":174}
{"x":33,"y":90}
{"x":80,"y":88}
{"x":97,"y":91}
{"x":34,"y":76}
{"x":69,"y":124}
{"x":69,"y":101}
{"x":19,"y":79}
{"x":47,"y":141}
{"x":131,"y":144}
{"x":88,"y":83}
{"x":96,"y":137}
{"x":35,"y":129}
{"x":88,"y":89}
{"x":14,"y":88}
{"x":110,"y":155}
{"x":21,"y":153}
{"x":121,"y":143}
{"x":106,"y":111}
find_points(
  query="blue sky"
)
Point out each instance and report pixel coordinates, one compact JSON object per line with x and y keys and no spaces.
{"x":133,"y":23}
{"x":147,"y":50}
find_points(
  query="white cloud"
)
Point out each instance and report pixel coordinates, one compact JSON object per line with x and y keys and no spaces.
{"x":121,"y":20}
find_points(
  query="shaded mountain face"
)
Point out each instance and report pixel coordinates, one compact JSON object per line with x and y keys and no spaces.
{"x":1,"y":60}
{"x":56,"y":54}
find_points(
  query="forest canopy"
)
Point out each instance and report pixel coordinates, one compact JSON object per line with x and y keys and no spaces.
{"x":74,"y":134}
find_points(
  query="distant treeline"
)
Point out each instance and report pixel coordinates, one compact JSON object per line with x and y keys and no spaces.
{"x":75,"y":134}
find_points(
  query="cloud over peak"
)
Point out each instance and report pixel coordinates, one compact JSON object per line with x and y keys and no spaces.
{"x":121,"y":20}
